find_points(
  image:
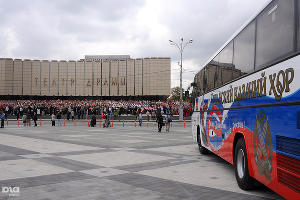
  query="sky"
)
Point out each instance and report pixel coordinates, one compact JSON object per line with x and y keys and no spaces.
{"x":71,"y":29}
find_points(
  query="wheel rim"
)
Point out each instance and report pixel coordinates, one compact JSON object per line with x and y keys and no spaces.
{"x":240,"y":163}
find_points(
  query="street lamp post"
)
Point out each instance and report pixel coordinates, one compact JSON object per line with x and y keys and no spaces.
{"x":181,"y":47}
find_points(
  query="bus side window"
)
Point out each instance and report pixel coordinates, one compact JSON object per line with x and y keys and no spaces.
{"x":209,"y":77}
{"x":204,"y":81}
{"x":225,"y":63}
{"x":214,"y":74}
{"x":244,"y":49}
{"x":275,"y":32}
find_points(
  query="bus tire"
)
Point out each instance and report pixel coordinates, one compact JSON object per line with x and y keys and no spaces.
{"x":202,"y":149}
{"x":243,"y":178}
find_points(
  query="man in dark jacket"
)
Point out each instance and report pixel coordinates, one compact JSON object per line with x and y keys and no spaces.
{"x":35,"y":118}
{"x":159,"y":120}
{"x":93,"y":121}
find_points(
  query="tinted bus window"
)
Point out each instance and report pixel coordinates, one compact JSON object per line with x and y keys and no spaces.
{"x":213,"y":73}
{"x":244,"y":49}
{"x":215,"y":61}
{"x":204,"y":80}
{"x":225,"y":58}
{"x":275,"y":32}
{"x":200,"y":85}
{"x":225,"y":63}
{"x":210,"y":74}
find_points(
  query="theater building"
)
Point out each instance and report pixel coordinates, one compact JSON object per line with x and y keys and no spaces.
{"x":104,"y":77}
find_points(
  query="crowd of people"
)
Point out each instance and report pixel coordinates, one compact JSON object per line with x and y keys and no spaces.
{"x":82,"y":109}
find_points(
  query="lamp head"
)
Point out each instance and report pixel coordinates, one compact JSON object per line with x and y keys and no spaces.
{"x":191,"y":41}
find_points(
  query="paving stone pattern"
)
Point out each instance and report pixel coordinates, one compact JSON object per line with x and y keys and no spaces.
{"x":115,"y":163}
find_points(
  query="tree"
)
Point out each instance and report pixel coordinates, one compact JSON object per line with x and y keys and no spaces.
{"x":175,"y":95}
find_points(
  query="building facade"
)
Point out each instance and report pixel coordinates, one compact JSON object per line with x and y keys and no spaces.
{"x":105,"y":77}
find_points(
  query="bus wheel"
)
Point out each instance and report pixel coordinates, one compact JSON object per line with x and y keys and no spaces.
{"x":202,"y":149}
{"x":244,"y":180}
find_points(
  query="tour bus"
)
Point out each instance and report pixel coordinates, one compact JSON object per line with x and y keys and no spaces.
{"x":247,"y":110}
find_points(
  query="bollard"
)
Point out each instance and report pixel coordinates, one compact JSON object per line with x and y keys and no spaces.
{"x":112,"y":123}
{"x":123,"y":123}
{"x":18,"y":123}
{"x":184,"y":124}
{"x":171,"y":125}
{"x":6,"y":122}
{"x":40,"y":122}
{"x":100,"y":123}
{"x":134,"y":123}
{"x":64,"y":122}
{"x":147,"y":124}
{"x":88,"y":123}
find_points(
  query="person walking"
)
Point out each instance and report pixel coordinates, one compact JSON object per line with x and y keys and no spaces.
{"x":93,"y":121}
{"x":17,"y":113}
{"x":28,"y":118}
{"x":2,"y":119}
{"x":140,"y":119}
{"x":110,"y":112}
{"x":58,"y":117}
{"x":35,"y":118}
{"x":159,"y":120}
{"x":168,"y":122}
{"x":24,"y":119}
{"x":53,"y":119}
{"x":68,"y":115}
{"x":148,"y":115}
{"x":168,"y":119}
{"x":104,"y":117}
{"x":21,"y":111}
{"x":72,"y":114}
{"x":107,"y":120}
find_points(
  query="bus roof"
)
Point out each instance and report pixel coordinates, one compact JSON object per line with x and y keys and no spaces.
{"x":236,"y":33}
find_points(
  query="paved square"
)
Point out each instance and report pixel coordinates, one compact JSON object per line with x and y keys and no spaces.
{"x":198,"y":173}
{"x":38,"y":145}
{"x":104,"y":172}
{"x":132,"y":141}
{"x":118,"y":158}
{"x":116,"y":163}
{"x":181,"y":149}
{"x":13,"y":169}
